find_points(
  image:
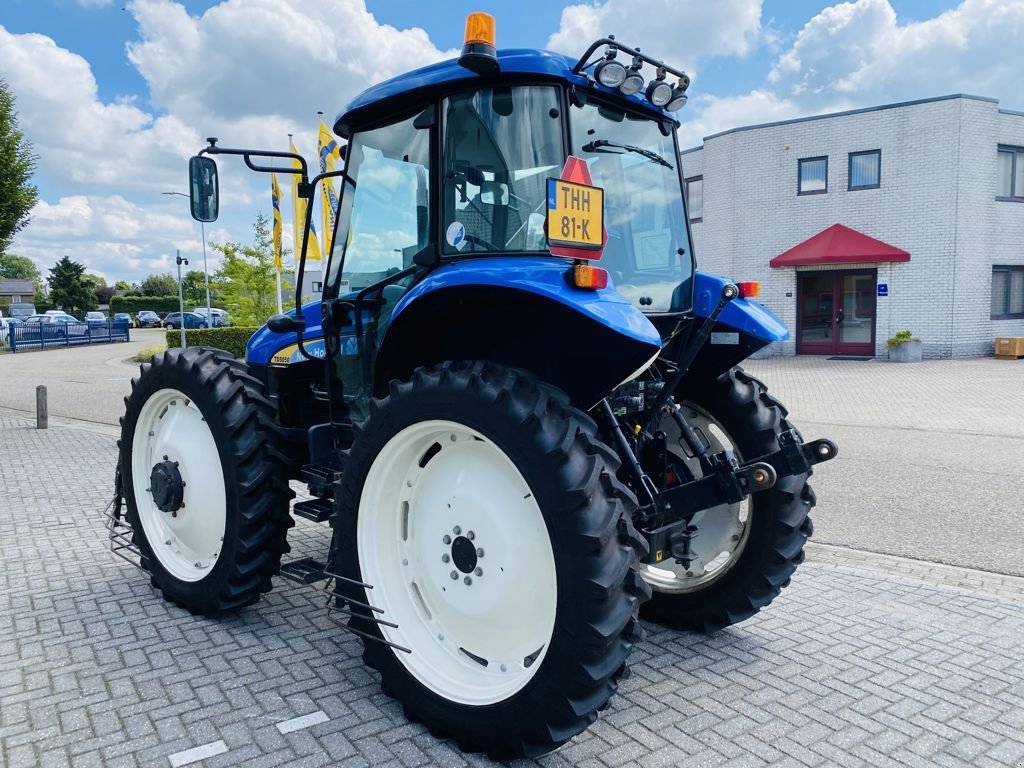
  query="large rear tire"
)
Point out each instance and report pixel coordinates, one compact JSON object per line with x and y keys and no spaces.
{"x":748,"y":551}
{"x":486,"y":515}
{"x":204,"y":480}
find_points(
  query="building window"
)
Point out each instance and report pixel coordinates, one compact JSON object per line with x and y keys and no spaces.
{"x":1007,"y":292}
{"x":318,"y":287}
{"x":1010,"y":180}
{"x":865,"y":170}
{"x":695,"y":198}
{"x":813,"y":176}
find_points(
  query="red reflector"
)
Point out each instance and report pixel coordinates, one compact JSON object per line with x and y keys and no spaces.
{"x":749,"y":289}
{"x":586,"y":276}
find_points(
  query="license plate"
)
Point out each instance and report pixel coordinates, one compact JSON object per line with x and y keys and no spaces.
{"x":575,"y":215}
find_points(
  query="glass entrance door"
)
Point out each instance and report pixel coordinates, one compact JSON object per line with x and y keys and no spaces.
{"x":836,"y":313}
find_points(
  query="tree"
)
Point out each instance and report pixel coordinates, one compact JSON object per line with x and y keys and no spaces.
{"x":193,"y":287}
{"x":123,"y":285}
{"x":17,"y":162}
{"x":69,"y":288}
{"x":246,"y":279}
{"x":104,"y":293}
{"x":159,"y":285}
{"x":17,"y":268}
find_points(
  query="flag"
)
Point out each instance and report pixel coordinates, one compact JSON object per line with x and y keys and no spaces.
{"x":299,"y":216}
{"x":329,"y":152}
{"x":275,"y":196}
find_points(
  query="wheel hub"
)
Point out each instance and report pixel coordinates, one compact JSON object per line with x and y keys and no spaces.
{"x":464,"y":554}
{"x":167,"y":487}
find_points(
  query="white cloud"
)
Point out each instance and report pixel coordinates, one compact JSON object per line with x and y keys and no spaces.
{"x":861,"y":52}
{"x":714,"y":114}
{"x":678,"y":31}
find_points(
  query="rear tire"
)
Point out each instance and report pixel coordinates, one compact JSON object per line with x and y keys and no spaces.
{"x":515,"y":653}
{"x":770,"y":542}
{"x":204,"y":480}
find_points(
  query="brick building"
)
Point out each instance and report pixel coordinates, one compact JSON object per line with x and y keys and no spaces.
{"x":927,"y":195}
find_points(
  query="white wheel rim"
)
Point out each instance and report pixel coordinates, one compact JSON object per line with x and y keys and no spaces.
{"x":474,"y":643}
{"x":722,"y":531}
{"x":187,"y":542}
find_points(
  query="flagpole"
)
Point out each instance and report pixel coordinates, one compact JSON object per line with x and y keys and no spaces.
{"x":280,"y":308}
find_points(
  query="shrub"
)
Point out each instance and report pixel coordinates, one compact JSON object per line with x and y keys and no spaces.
{"x":899,"y":338}
{"x":231,"y":340}
{"x":145,"y":354}
{"x":135,"y":304}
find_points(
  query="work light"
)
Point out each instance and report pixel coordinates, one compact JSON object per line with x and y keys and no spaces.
{"x":678,"y":100}
{"x":610,"y":73}
{"x":659,"y":93}
{"x":633,"y":81}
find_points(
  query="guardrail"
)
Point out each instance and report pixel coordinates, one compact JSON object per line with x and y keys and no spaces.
{"x":49,"y":335}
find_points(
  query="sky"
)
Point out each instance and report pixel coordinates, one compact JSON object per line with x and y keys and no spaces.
{"x":115,"y":95}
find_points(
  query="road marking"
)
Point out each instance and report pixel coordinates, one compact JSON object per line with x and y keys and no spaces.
{"x":298,"y":723}
{"x":196,"y":754}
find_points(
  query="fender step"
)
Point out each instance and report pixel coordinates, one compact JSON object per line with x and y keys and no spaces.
{"x":320,"y":477}
{"x":317,"y":510}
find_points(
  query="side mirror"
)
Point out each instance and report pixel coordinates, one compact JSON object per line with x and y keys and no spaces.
{"x":286,"y":324}
{"x":203,"y":188}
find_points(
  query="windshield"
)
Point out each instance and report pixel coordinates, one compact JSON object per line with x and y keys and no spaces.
{"x":648,"y":250}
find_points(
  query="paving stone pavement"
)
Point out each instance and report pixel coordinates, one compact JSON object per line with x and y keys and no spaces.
{"x":863,"y":660}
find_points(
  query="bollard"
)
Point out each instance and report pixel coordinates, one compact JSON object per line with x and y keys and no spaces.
{"x":42,"y":418}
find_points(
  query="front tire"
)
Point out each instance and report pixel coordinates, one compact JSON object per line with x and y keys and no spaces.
{"x":486,"y":515}
{"x":748,"y":551}
{"x":204,"y":480}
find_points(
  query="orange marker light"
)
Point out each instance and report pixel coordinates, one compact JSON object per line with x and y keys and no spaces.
{"x":749,"y":289}
{"x":480,"y":29}
{"x":586,"y":276}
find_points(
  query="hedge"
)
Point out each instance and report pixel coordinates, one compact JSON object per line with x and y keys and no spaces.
{"x":135,"y":304}
{"x":231,"y":339}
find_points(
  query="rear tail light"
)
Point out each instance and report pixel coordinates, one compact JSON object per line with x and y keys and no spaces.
{"x":586,"y":276}
{"x":749,"y":289}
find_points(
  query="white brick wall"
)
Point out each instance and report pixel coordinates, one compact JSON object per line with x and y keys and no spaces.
{"x":936,"y":201}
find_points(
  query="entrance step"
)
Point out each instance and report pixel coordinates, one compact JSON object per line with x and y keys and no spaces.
{"x":317,"y":510}
{"x":304,"y":571}
{"x":320,"y":477}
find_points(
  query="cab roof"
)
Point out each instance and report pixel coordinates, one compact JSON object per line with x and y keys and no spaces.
{"x":435,"y":78}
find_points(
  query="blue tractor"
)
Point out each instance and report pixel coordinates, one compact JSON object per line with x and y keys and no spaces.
{"x":517,"y":404}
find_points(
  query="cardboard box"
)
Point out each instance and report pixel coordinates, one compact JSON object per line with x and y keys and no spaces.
{"x":1009,"y":347}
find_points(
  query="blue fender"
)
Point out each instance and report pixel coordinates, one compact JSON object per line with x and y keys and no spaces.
{"x":743,"y":315}
{"x":544,"y":277}
{"x":266,"y":347}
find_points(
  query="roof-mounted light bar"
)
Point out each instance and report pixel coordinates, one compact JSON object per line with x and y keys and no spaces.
{"x":612,"y":74}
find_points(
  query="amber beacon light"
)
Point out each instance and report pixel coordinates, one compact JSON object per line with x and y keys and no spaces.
{"x":479,"y":53}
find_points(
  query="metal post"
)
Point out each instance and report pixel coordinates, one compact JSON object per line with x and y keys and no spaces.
{"x":206,"y":273}
{"x":42,"y":417}
{"x":181,"y":298}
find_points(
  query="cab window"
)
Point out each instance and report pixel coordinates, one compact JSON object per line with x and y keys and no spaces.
{"x":500,"y":146}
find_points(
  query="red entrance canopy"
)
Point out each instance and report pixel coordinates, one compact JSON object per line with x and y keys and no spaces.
{"x":838,"y":245}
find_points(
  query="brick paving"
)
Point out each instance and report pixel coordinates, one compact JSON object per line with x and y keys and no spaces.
{"x":864,"y":660}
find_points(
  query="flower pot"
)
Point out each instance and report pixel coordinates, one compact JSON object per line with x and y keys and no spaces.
{"x":906,"y":352}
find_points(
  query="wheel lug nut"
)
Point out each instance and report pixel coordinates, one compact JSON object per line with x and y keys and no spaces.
{"x":456,"y":530}
{"x":447,"y":540}
{"x":467,"y":580}
{"x":470,"y":535}
{"x":480,"y":552}
{"x":445,"y":558}
{"x":479,"y":571}
{"x":455,"y":575}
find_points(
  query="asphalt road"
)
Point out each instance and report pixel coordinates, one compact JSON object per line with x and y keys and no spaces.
{"x":931,"y":455}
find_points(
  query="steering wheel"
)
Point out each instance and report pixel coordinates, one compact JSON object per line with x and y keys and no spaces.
{"x":481,"y":242}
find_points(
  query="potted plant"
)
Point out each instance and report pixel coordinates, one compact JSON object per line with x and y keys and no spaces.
{"x":904,"y":348}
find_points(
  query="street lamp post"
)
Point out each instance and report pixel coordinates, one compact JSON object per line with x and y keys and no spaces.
{"x":181,"y":298}
{"x":206,"y":271}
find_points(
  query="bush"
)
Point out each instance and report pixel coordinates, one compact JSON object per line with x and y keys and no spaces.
{"x":145,"y":354}
{"x":899,"y":338}
{"x":231,"y":340}
{"x":135,"y":304}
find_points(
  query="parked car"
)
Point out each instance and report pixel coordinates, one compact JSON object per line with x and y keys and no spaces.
{"x":22,"y":310}
{"x":56,"y":324}
{"x":6,"y":323}
{"x":123,"y":317}
{"x":221,"y":319}
{"x":147,"y":318}
{"x":95,"y":318}
{"x":192,"y":320}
